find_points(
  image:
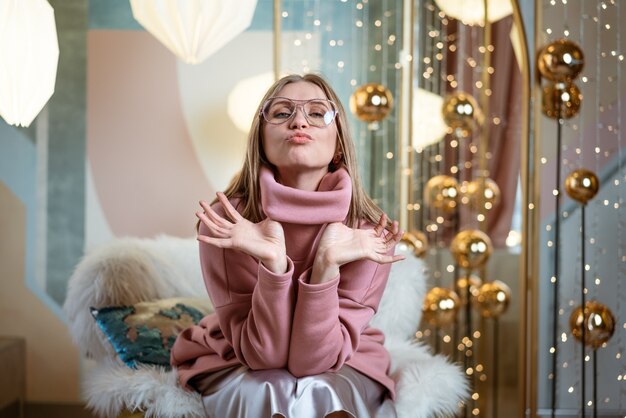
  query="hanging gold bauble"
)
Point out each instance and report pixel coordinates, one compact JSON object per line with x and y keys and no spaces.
{"x":582,"y":185}
{"x":561,"y":60}
{"x":492,"y":299}
{"x":462,"y":284}
{"x":440,"y":306}
{"x":461,"y":113}
{"x":371,"y":102}
{"x":471,"y":248}
{"x":416,"y":241}
{"x":561,"y":100}
{"x":482,"y":192}
{"x":442,"y":192}
{"x":599,"y":324}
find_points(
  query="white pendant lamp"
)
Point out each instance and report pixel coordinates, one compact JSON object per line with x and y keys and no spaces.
{"x":194,"y":29}
{"x":428,"y":125}
{"x":29,"y":56}
{"x":472,"y":12}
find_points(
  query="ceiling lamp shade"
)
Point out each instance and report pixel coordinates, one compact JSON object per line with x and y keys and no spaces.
{"x":194,"y":29}
{"x":30,"y":55}
{"x":472,"y":12}
{"x":428,"y":124}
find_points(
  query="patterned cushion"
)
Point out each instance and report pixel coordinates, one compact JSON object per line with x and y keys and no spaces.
{"x":145,"y":332}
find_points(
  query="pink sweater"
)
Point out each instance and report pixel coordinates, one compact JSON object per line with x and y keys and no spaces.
{"x":266,"y":321}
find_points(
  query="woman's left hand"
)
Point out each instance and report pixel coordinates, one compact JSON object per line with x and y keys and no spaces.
{"x":340,"y":245}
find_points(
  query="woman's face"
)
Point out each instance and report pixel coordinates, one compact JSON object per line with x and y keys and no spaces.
{"x":296,"y":146}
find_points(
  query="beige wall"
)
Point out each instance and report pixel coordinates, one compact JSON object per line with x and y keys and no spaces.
{"x":139,"y":183}
{"x":52,"y":362}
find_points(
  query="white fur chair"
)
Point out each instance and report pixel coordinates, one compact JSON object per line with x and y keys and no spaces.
{"x":129,"y":270}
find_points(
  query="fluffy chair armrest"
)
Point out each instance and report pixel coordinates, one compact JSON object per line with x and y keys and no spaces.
{"x":426,"y":385}
{"x":124,"y":272}
{"x":112,"y":388}
{"x":400,"y":309}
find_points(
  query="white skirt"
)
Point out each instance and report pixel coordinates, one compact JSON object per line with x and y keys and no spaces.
{"x":241,"y":392}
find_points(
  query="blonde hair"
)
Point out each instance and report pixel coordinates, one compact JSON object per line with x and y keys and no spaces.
{"x":245,"y":185}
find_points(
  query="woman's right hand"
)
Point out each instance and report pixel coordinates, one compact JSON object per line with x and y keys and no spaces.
{"x":264,"y":240}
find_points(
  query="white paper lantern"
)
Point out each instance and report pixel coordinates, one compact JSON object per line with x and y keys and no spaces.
{"x":472,"y":12}
{"x":428,"y":125}
{"x":194,"y":29}
{"x":29,"y":56}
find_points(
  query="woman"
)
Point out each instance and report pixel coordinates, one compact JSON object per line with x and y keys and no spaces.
{"x":295,"y":258}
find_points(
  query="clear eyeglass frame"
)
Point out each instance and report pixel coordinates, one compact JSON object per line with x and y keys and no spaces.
{"x":306,"y":106}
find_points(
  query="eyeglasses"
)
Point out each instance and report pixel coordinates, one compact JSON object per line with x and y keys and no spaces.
{"x":317,"y":112}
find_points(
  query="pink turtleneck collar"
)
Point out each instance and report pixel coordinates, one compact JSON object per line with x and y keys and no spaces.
{"x":329,"y":203}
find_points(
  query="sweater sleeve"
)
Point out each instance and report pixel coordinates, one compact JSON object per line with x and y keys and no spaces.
{"x":330,"y":318}
{"x":254,"y":306}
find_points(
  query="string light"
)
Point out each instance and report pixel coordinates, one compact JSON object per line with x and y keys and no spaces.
{"x":370,"y":42}
{"x":588,"y":138}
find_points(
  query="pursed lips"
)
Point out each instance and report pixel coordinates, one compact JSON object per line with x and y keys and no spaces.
{"x":299,"y":138}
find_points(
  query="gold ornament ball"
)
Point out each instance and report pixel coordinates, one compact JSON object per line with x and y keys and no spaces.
{"x":598,"y":321}
{"x":442,"y":192}
{"x":440,"y":306}
{"x":461,"y":287}
{"x":461,"y":113}
{"x":561,"y":60}
{"x":492,"y":299}
{"x":482,"y":191}
{"x":416,"y":241}
{"x":561,"y":100}
{"x":471,"y":248}
{"x":371,"y":102}
{"x":582,"y":185}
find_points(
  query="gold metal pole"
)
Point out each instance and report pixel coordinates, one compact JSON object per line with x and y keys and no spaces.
{"x":483,"y":173}
{"x":277,"y":30}
{"x":484,"y":132}
{"x":534,"y":194}
{"x":406,"y":118}
{"x":528,"y":277}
